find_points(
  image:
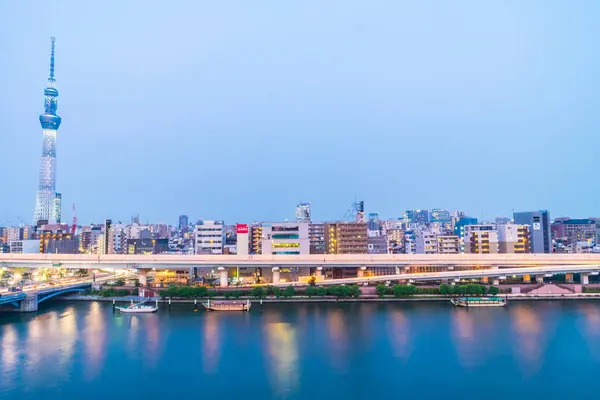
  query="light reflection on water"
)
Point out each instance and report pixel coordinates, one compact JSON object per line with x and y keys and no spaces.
{"x":337,"y":340}
{"x":282,"y":356}
{"x":290,"y":351}
{"x":528,"y":338}
{"x":398,"y":328}
{"x":211,"y":343}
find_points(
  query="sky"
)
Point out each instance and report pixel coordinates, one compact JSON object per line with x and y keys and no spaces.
{"x":238,"y":110}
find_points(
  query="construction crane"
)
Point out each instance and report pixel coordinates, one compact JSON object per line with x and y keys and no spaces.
{"x":74,"y":226}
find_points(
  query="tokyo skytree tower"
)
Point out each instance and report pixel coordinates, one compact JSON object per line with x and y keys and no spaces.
{"x":47,"y":203}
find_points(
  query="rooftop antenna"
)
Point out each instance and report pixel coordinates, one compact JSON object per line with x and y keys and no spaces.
{"x":51,"y":79}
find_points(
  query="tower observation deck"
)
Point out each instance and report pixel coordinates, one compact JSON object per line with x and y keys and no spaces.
{"x":45,"y":204}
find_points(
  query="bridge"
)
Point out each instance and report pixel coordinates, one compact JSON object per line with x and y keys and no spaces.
{"x":29,"y":299}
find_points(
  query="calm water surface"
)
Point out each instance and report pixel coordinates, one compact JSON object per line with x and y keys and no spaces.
{"x":303,"y":351}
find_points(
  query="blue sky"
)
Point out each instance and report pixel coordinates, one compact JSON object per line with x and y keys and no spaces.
{"x":238,"y":110}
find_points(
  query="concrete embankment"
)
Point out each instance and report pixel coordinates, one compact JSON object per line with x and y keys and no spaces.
{"x":362,"y":299}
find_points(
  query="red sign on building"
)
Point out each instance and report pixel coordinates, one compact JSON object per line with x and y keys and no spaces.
{"x":242,"y":228}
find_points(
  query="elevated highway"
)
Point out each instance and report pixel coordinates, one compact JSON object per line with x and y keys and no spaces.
{"x":172,"y":261}
{"x":494,"y":274}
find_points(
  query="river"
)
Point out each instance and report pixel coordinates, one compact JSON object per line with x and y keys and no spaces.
{"x":82,"y":350}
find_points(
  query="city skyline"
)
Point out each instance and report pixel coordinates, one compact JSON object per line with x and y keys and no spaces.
{"x":173,"y":123}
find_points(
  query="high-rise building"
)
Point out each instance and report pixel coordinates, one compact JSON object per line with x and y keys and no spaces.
{"x":303,"y":212}
{"x":440,"y":215}
{"x":58,"y":207}
{"x":183,"y":223}
{"x":45,"y":204}
{"x":346,"y":238}
{"x":539,"y":229}
{"x":374,"y":222}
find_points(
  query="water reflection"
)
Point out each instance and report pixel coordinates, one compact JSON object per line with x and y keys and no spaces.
{"x":589,"y":327}
{"x":211,"y":343}
{"x":399,"y":334}
{"x":153,"y":338}
{"x":282,"y":357}
{"x":94,"y":340}
{"x":529,"y":338}
{"x":464,"y":339}
{"x":337,"y":340}
{"x":9,"y":354}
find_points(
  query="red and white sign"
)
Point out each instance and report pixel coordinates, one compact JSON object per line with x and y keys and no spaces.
{"x":242,"y":228}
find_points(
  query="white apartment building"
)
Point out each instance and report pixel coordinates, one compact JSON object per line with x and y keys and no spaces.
{"x":209,"y":237}
{"x":426,"y":242}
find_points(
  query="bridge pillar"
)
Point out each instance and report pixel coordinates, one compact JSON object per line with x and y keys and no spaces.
{"x":526,"y":278}
{"x":569,"y":278}
{"x":276,"y":275}
{"x":585,"y":278}
{"x":496,"y":282}
{"x":319,"y":274}
{"x":29,"y":303}
{"x":223,"y":277}
{"x":361,"y":272}
{"x":17,"y":277}
{"x":539,"y":279}
{"x":143,"y":277}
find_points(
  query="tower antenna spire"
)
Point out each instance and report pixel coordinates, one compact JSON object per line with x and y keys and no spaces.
{"x":51,"y":78}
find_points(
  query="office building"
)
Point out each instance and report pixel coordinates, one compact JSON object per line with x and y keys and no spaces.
{"x":441,"y":216}
{"x":285,"y":238}
{"x":303,"y":212}
{"x":376,"y":242}
{"x":243,"y":239}
{"x":147,"y":246}
{"x":540,"y":236}
{"x":316,"y":236}
{"x":209,"y":237}
{"x":571,"y":231}
{"x":184,"y":223}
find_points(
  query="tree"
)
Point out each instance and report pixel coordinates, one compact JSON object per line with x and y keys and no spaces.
{"x":493,"y":290}
{"x":120,"y":282}
{"x":355,"y":291}
{"x":311,"y":291}
{"x":288,"y":291}
{"x":321,"y":291}
{"x":381,"y":290}
{"x":312,"y":281}
{"x":258,"y":292}
{"x":446,"y":289}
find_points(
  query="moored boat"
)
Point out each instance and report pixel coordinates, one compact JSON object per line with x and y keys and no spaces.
{"x":138,"y":308}
{"x":227,"y":305}
{"x":479,"y":301}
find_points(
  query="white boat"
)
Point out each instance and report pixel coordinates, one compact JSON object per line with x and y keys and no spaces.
{"x":479,"y":301}
{"x":138,"y":308}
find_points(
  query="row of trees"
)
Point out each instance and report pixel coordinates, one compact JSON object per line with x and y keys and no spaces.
{"x":473,"y":289}
{"x":259,"y":292}
{"x":410,"y":290}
